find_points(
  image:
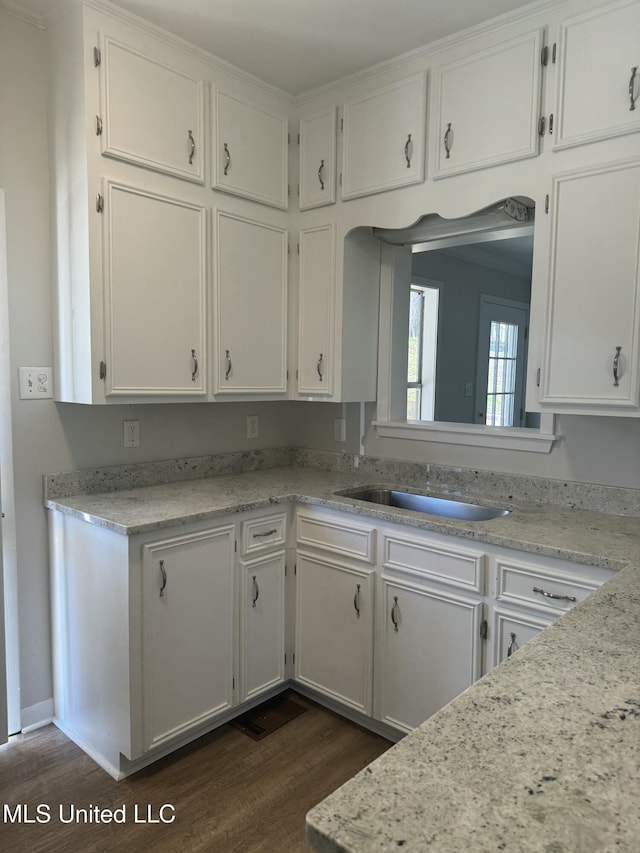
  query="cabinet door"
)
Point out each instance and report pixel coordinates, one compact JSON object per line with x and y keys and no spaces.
{"x":262,"y":624}
{"x":251,"y":303}
{"x":316,"y":305}
{"x":511,"y":630}
{"x":383,"y":138}
{"x":429,"y":647}
{"x":593,"y":324}
{"x":155,"y":294}
{"x":152,"y":113}
{"x":334,"y":630}
{"x":187,"y":642}
{"x":599,"y":80}
{"x":250,"y":151}
{"x":318,"y":159}
{"x":487,"y":107}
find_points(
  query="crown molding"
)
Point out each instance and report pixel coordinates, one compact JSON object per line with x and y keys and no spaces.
{"x":26,"y":15}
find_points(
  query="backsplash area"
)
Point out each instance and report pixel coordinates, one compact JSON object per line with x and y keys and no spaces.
{"x":376,"y":470}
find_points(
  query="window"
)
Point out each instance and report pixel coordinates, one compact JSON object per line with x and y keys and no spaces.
{"x":421,"y":360}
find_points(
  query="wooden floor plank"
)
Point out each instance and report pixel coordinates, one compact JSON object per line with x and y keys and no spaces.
{"x":230,"y":793}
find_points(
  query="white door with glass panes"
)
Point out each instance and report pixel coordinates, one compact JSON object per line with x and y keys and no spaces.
{"x":502,"y":359}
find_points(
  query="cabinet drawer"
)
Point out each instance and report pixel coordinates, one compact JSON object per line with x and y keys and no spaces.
{"x":350,"y":540}
{"x":262,"y":534}
{"x":461,"y":568}
{"x":543,"y":590}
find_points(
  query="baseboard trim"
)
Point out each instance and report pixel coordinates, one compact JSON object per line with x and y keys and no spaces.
{"x":36,"y":716}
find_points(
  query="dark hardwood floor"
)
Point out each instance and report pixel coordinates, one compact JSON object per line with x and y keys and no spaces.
{"x":230,"y":794}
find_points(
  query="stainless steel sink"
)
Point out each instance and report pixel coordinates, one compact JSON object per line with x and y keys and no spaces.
{"x":426,"y":503}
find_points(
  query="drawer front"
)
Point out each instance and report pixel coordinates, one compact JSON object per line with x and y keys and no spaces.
{"x":461,"y":568}
{"x":543,"y":590}
{"x":350,"y":540}
{"x":262,"y":534}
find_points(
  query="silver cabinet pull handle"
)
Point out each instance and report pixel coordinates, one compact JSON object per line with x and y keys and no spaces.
{"x":256,"y":591}
{"x":356,"y":600}
{"x":407,"y":155}
{"x":512,"y":645}
{"x":227,"y":372}
{"x":164,"y":579}
{"x":227,"y":162}
{"x":632,"y":85}
{"x":192,"y":149}
{"x":319,"y":367}
{"x":394,"y":613}
{"x":616,"y":367}
{"x":194,"y":359}
{"x":266,"y":533}
{"x":552,"y":595}
{"x":447,"y":141}
{"x":321,"y":174}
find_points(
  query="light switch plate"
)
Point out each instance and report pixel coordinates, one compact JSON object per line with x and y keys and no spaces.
{"x":35,"y":383}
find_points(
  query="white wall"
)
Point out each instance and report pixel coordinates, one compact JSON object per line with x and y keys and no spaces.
{"x":50,"y":436}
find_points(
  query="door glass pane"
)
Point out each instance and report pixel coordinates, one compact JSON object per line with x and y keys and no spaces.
{"x":501,"y":385}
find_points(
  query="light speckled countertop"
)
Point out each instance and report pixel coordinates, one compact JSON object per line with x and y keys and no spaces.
{"x":610,"y":541}
{"x":541,"y":754}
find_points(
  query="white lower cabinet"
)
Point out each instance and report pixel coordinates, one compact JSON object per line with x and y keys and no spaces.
{"x":334,"y":629}
{"x":512,"y":629}
{"x":428,"y":645}
{"x":187,"y":632}
{"x":262,"y":625}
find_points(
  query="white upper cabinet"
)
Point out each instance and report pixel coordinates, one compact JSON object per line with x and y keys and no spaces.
{"x":318,"y":159}
{"x":486,"y":106}
{"x":155,"y":294}
{"x":251,"y":306}
{"x":152,"y":114}
{"x":599,"y":79}
{"x":384,"y":138}
{"x":315,"y":318}
{"x":592,"y":352}
{"x":250,"y":151}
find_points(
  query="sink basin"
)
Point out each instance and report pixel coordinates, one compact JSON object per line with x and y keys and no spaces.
{"x":426,"y":503}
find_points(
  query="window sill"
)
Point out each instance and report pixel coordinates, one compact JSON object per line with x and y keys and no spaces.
{"x":473,"y":435}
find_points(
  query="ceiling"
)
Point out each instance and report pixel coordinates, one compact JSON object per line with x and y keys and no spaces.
{"x":298,"y":45}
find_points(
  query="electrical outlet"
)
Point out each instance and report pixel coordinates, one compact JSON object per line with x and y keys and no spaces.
{"x":131,"y":433}
{"x":468,"y":389}
{"x":339,"y":429}
{"x":35,"y":383}
{"x":253,"y":426}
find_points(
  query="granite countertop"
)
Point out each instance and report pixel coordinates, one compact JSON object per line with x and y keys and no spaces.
{"x":589,"y":537}
{"x":541,"y":754}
